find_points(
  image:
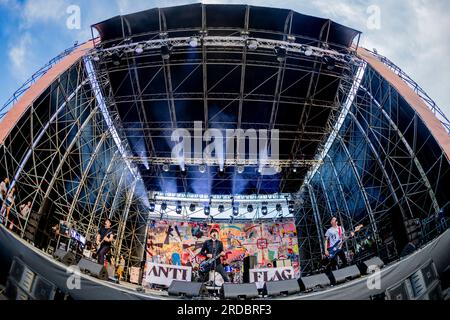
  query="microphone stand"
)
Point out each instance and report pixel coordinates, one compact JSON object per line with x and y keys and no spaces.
{"x":215,"y":265}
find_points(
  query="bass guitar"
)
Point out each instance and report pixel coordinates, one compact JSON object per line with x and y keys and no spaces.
{"x":337,"y":247}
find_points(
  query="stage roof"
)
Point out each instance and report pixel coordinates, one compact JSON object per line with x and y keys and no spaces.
{"x":224,"y":88}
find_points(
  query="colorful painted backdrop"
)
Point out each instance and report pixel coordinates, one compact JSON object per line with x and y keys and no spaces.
{"x":179,"y":243}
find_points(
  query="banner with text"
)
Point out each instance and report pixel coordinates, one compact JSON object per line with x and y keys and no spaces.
{"x":259,"y":276}
{"x":164,"y":274}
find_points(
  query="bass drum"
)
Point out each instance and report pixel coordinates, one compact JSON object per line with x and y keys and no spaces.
{"x":216,"y":278}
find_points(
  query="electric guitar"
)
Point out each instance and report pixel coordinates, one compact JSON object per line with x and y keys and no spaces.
{"x":208,"y":264}
{"x":103,"y":240}
{"x":337,"y":247}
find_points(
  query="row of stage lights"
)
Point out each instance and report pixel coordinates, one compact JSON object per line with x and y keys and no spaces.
{"x":252,"y":45}
{"x":239,"y":168}
{"x":221,"y":208}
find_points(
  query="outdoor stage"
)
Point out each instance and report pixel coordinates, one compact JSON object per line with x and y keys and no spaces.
{"x":94,"y":289}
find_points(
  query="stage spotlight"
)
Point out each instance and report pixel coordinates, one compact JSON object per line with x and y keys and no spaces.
{"x":193,"y":42}
{"x":240,"y":168}
{"x":96,"y":57}
{"x":330,"y":62}
{"x":163,"y":206}
{"x":207,"y":210}
{"x":309,"y":51}
{"x":250,"y":208}
{"x":178,"y":208}
{"x":152,"y":207}
{"x":202,"y":168}
{"x":278,"y":207}
{"x":291,"y":38}
{"x":221,"y":208}
{"x":139,"y":49}
{"x":116,"y":59}
{"x":165,"y":52}
{"x":165,"y":167}
{"x":235,"y":210}
{"x":294,"y":170}
{"x":264,"y":210}
{"x":252,"y":44}
{"x":192,"y":207}
{"x":281,"y":53}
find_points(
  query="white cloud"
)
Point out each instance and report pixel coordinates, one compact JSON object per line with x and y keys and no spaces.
{"x":19,"y":55}
{"x":34,"y":11}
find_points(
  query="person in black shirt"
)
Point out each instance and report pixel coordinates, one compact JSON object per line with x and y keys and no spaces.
{"x":104,"y":239}
{"x":211,"y":248}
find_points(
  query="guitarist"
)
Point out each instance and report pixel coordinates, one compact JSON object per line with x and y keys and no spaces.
{"x":211,"y":248}
{"x":104,"y":239}
{"x":333,"y":235}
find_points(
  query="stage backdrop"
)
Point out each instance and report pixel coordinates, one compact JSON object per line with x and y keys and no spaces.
{"x":179,"y":243}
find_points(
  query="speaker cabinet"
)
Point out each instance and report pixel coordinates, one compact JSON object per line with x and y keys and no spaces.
{"x":398,"y":292}
{"x":369,"y":266}
{"x":312,"y":282}
{"x":278,"y":288}
{"x":93,"y":269}
{"x":345,"y":274}
{"x":68,"y":258}
{"x":239,"y":291}
{"x":187,"y":289}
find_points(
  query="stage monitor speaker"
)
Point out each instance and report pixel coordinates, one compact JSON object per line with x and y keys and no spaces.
{"x":399,"y":291}
{"x":407,"y":250}
{"x":68,"y":258}
{"x":92,"y":268}
{"x":239,"y":290}
{"x":369,"y":266}
{"x":187,"y":289}
{"x":344,"y":274}
{"x":249,"y":263}
{"x":312,"y":282}
{"x":278,"y":288}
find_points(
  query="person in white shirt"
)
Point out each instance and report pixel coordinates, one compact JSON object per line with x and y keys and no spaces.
{"x":334,"y":235}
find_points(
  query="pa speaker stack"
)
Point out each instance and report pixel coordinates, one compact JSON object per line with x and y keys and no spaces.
{"x":423,"y":284}
{"x":239,"y":291}
{"x":25,"y":284}
{"x":93,"y":269}
{"x":187,"y":289}
{"x":312,"y":282}
{"x":278,"y":288}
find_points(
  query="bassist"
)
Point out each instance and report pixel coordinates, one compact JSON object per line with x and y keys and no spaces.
{"x":211,"y":248}
{"x":334,"y":235}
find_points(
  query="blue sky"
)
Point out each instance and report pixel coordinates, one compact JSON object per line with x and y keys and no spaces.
{"x":412,"y":33}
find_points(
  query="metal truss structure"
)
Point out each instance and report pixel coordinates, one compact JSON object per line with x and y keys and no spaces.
{"x":87,"y":140}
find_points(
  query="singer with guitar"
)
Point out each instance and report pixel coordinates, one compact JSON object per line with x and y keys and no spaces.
{"x":334,"y":240}
{"x":213,"y":250}
{"x":105,"y":237}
